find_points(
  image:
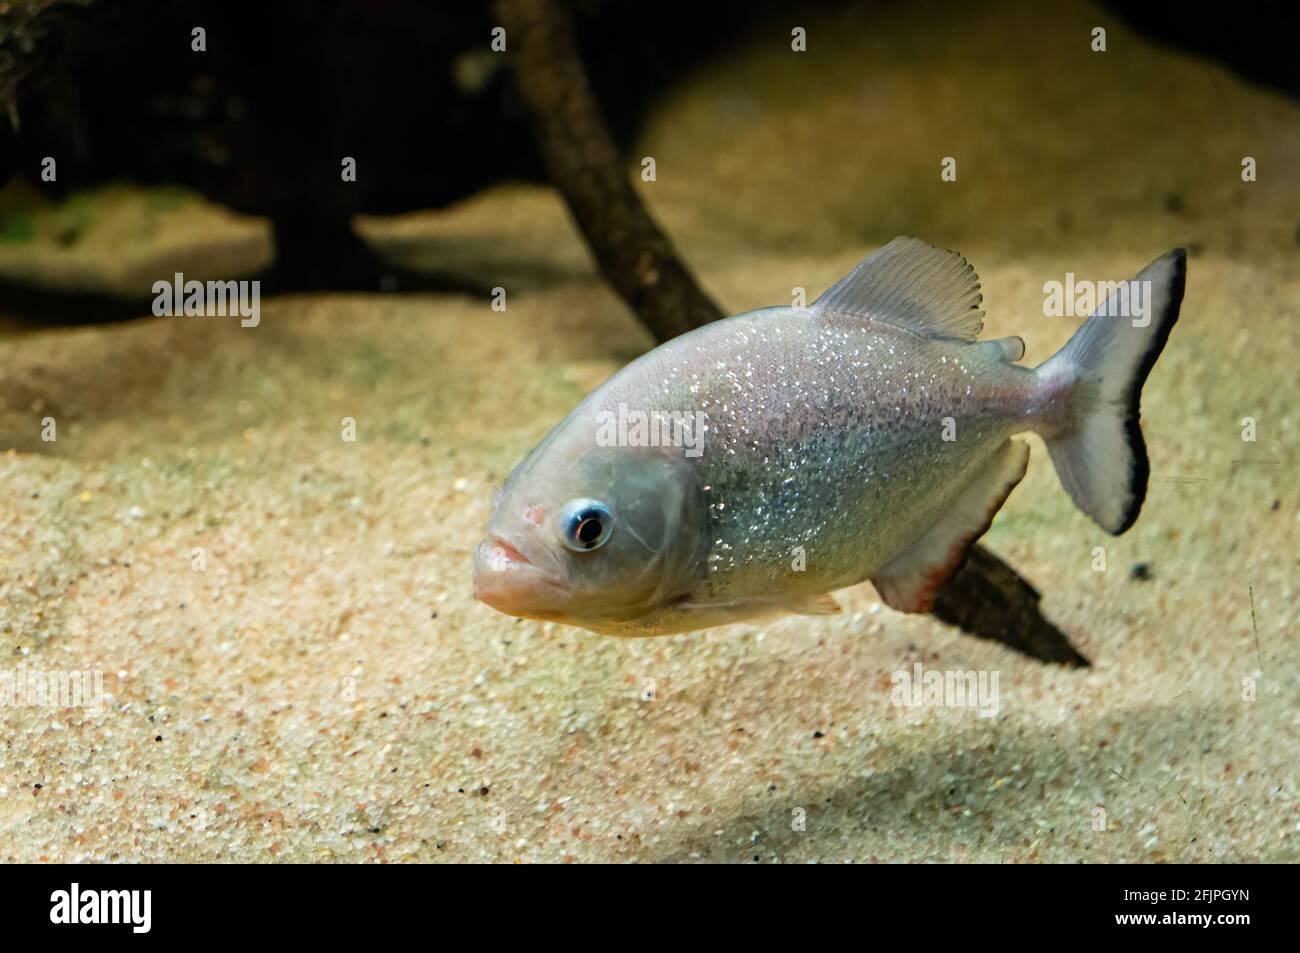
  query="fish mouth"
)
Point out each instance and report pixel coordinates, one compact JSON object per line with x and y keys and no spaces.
{"x":508,"y":581}
{"x":500,"y":550}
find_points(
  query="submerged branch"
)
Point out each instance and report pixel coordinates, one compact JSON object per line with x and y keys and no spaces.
{"x":634,"y":254}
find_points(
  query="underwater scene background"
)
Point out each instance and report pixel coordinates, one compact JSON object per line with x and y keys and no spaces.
{"x":293,"y":666}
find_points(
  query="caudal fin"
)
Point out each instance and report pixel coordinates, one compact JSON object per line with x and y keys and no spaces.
{"x":1091,"y":428}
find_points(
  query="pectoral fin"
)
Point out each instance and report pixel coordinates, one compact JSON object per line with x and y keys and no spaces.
{"x":911,"y":579}
{"x":814,"y":605}
{"x":769,"y":606}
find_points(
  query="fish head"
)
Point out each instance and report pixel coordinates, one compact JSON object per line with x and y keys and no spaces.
{"x":595,"y":537}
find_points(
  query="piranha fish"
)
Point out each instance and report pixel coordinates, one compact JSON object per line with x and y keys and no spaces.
{"x":866,"y":436}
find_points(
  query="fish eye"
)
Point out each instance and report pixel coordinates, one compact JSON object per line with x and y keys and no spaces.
{"x":585,"y":525}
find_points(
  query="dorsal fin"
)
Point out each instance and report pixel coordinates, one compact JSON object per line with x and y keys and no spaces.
{"x":913,"y":284}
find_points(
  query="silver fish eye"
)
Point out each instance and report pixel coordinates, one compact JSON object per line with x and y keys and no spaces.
{"x":585,"y":525}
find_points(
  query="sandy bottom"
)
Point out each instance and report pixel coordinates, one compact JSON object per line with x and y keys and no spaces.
{"x":293,"y":664}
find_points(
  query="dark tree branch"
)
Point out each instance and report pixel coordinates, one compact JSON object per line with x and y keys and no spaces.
{"x":635,"y":256}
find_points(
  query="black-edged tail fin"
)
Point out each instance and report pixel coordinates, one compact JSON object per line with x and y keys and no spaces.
{"x":1096,"y":444}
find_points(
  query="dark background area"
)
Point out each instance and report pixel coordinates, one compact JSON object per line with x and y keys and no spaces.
{"x":285,"y":89}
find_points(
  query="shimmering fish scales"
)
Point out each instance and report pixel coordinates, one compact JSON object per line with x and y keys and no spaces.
{"x":823,"y":461}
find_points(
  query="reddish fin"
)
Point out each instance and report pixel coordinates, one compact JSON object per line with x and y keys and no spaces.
{"x":911,"y":579}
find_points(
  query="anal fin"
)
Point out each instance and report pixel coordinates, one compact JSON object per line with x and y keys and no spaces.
{"x":910,"y":580}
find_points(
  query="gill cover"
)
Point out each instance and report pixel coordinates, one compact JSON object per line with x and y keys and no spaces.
{"x":655,"y":547}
